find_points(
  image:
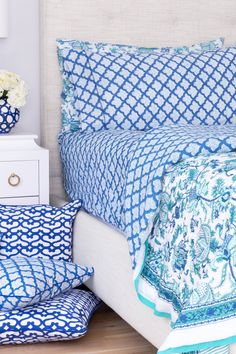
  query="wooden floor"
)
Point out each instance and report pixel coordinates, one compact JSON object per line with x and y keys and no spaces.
{"x":108,"y":333}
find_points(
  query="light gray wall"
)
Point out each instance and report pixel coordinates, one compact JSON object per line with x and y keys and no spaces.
{"x":20,"y":53}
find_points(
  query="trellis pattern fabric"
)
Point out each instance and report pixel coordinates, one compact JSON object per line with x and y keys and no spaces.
{"x":98,"y":162}
{"x":143,"y":92}
{"x":49,"y":320}
{"x":81,"y":107}
{"x":27,"y":281}
{"x":37,"y":231}
{"x":139,"y":163}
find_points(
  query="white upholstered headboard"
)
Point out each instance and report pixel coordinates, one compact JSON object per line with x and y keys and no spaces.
{"x":141,"y":22}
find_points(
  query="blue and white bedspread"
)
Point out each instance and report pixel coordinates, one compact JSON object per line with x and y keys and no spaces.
{"x":172,"y":191}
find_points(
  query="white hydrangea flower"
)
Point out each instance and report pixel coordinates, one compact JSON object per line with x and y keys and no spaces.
{"x":17,"y":96}
{"x":13,"y":88}
{"x":8,"y":80}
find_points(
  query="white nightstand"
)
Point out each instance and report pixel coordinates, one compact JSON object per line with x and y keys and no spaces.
{"x":24,"y":170}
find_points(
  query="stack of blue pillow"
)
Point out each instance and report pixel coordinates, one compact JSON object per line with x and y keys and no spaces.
{"x":38,"y":299}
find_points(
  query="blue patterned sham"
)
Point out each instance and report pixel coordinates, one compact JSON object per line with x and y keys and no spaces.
{"x":106,"y":48}
{"x":27,"y":281}
{"x":63,"y":318}
{"x":142,"y":92}
{"x":37,"y":231}
{"x":77,"y":75}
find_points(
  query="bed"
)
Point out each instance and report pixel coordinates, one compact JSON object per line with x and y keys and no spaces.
{"x":129,"y":22}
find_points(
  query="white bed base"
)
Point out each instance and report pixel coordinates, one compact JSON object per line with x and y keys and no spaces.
{"x":101,"y":246}
{"x":97,"y":244}
{"x":152,"y":23}
{"x":113,"y":275}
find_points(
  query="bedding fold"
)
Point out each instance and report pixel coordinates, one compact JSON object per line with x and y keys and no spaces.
{"x":171,"y":191}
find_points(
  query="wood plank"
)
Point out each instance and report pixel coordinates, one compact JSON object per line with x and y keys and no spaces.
{"x":108,"y":334}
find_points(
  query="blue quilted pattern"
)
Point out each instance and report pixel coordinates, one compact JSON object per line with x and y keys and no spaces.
{"x":27,"y":281}
{"x":120,"y":174}
{"x":80,"y":95}
{"x":37,"y":231}
{"x":65,"y":317}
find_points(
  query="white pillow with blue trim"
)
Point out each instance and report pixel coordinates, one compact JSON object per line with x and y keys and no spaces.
{"x":81,"y":107}
{"x":27,"y":281}
{"x":37,"y":231}
{"x":63,"y":318}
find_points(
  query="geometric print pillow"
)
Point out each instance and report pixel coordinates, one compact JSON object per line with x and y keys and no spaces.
{"x":27,"y":281}
{"x":65,"y":317}
{"x":142,"y":92}
{"x":79,"y":94}
{"x":37,"y":231}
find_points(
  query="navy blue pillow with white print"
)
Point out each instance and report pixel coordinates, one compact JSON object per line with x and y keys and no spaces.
{"x":142,"y":92}
{"x":37,"y":231}
{"x":81,"y":108}
{"x":63,"y":318}
{"x":28,"y":281}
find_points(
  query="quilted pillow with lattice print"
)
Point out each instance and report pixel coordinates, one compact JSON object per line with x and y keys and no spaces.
{"x":63,"y":318}
{"x":28,"y":281}
{"x":81,"y":108}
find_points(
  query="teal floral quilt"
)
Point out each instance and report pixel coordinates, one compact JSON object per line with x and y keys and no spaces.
{"x":190,"y":263}
{"x":172,"y":192}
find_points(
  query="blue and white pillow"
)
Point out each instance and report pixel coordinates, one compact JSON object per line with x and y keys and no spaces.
{"x":80,"y":98}
{"x":37,"y":231}
{"x":27,"y":281}
{"x":140,"y":93}
{"x":63,"y":318}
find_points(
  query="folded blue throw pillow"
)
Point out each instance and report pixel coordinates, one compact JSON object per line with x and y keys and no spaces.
{"x":27,"y":281}
{"x":65,"y":317}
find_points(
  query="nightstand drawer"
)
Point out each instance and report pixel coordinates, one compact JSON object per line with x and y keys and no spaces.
{"x":19,"y":179}
{"x":20,"y":201}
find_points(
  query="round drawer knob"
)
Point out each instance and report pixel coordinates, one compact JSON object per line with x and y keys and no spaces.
{"x":14,"y":180}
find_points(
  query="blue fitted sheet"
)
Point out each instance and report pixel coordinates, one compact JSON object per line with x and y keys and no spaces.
{"x":95,"y":170}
